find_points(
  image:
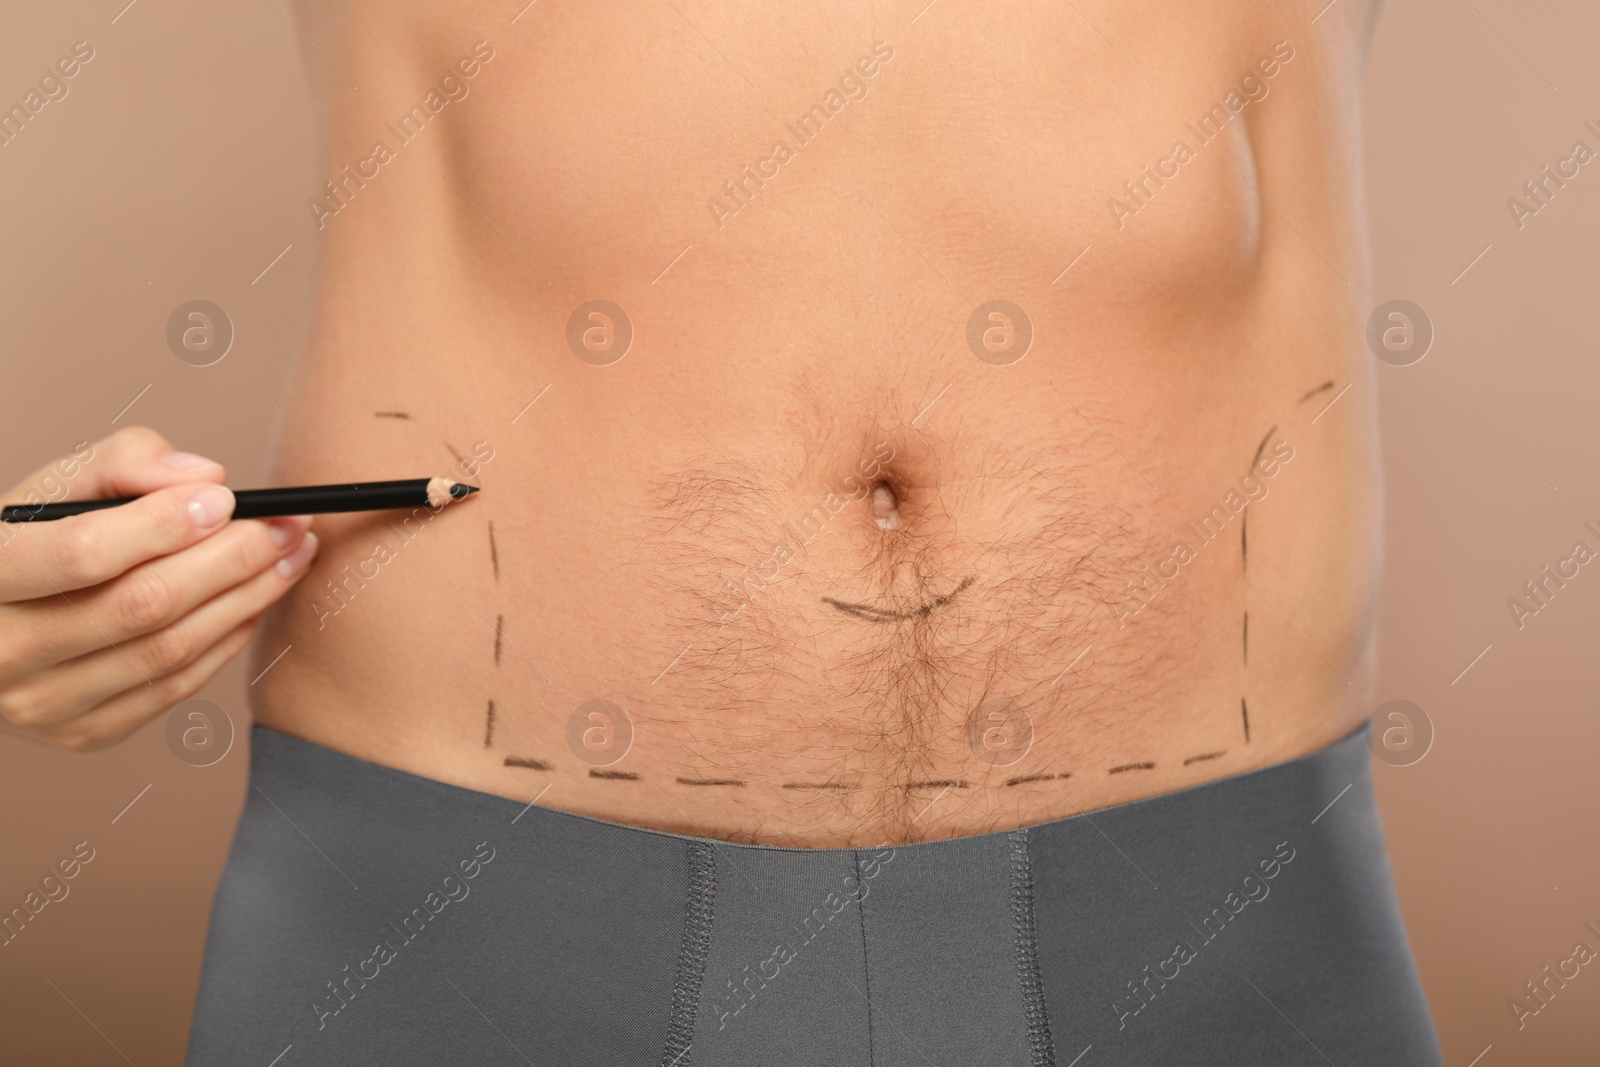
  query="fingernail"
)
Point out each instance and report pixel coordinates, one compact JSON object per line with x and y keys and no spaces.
{"x":188,"y":461}
{"x":210,"y":505}
{"x":294,"y":563}
{"x":285,"y":530}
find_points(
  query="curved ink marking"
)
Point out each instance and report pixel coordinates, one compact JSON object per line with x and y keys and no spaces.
{"x":872,"y":614}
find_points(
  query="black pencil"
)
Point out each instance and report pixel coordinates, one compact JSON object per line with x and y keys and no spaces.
{"x":293,"y":500}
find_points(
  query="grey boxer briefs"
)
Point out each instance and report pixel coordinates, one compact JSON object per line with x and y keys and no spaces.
{"x":369,"y":916}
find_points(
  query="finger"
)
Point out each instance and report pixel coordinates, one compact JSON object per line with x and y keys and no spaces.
{"x":131,"y":462}
{"x":146,"y":599}
{"x":84,"y":550}
{"x":67,"y":690}
{"x":123,"y":714}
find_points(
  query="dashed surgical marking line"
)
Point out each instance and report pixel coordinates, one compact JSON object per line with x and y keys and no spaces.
{"x":1262,"y":447}
{"x":1473,"y":664}
{"x":485,"y":618}
{"x":499,"y":634}
{"x":831,"y":786}
{"x":1205,"y":756}
{"x":1324,"y":387}
{"x":710,"y":781}
{"x":869,"y":613}
{"x":938,"y":783}
{"x":1244,"y":713}
{"x":392,"y":415}
{"x":1132,"y":767}
{"x":1026,"y":779}
{"x":614,"y":776}
{"x":1244,"y":538}
{"x":488,"y":729}
{"x":1331,"y":803}
{"x":1247,"y":639}
{"x":525,"y":762}
{"x":494,"y":553}
{"x":1330,"y":403}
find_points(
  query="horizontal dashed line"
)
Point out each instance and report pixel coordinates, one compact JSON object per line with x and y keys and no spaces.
{"x":530,"y":764}
{"x":1204,"y":756}
{"x":614,"y":776}
{"x":710,"y":781}
{"x":1036,"y":778}
{"x":1131,"y":767}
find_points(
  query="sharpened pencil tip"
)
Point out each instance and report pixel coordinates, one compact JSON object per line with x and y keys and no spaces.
{"x":460,"y":490}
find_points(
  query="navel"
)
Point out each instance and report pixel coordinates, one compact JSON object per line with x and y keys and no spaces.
{"x":885,"y":507}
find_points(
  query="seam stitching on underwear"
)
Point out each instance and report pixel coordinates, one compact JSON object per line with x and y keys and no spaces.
{"x":1025,"y":939}
{"x":866,"y":963}
{"x":698,"y":905}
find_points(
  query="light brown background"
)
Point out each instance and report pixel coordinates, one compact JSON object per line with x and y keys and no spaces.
{"x":178,"y":168}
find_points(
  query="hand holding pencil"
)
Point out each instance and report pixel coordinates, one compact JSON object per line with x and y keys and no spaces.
{"x":110,"y":619}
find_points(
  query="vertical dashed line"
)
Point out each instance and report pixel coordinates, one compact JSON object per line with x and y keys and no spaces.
{"x":494,"y":553}
{"x":1247,"y":638}
{"x":488,"y":728}
{"x":1244,"y":712}
{"x":499,"y":630}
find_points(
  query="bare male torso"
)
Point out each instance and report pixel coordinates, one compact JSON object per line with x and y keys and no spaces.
{"x":969,"y":460}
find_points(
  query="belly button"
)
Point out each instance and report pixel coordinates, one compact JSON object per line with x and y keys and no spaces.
{"x":885,"y":507}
